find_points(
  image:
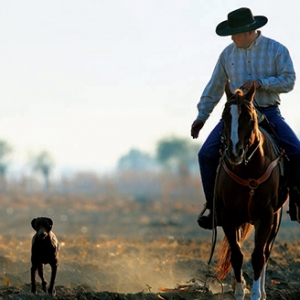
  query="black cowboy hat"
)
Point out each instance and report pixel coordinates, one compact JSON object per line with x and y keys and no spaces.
{"x":239,"y":21}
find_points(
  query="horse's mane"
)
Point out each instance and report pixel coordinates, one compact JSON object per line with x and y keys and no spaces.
{"x":239,"y":93}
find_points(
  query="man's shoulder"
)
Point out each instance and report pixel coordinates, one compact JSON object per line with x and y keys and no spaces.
{"x":270,"y":41}
{"x":229,"y":49}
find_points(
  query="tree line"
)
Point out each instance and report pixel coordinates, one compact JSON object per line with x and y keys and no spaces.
{"x":174,"y":154}
{"x":41,"y":162}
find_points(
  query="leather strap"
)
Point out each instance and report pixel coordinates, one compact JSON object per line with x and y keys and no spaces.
{"x":253,"y":183}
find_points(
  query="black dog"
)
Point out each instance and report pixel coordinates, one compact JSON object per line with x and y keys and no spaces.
{"x":44,"y":250}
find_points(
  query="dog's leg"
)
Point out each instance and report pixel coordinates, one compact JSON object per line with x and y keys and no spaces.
{"x":33,"y":278}
{"x":41,"y":274}
{"x":51,"y":289}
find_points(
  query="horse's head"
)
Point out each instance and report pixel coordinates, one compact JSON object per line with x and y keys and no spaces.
{"x":240,"y":123}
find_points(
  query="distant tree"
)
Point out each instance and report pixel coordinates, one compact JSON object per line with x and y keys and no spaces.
{"x":43,"y":163}
{"x":177,"y":154}
{"x":136,"y":160}
{"x":5,"y":151}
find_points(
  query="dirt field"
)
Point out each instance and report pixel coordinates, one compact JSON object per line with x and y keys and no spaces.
{"x":116,"y":247}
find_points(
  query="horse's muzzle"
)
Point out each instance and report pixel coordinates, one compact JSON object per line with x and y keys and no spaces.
{"x":235,"y":157}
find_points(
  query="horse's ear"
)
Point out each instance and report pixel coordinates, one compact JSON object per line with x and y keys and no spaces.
{"x":228,"y":91}
{"x":250,"y":93}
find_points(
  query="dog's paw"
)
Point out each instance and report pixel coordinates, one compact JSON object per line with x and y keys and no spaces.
{"x":44,"y":286}
{"x":52,"y":292}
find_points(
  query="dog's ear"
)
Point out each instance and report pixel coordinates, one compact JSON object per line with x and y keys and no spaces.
{"x":33,"y":223}
{"x":50,"y":222}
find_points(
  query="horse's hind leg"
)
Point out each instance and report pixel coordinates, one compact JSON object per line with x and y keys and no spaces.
{"x":236,"y":260}
{"x":263,"y":230}
{"x":273,"y":234}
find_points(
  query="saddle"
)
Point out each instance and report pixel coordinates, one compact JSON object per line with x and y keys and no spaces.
{"x":284,"y":164}
{"x":268,"y":129}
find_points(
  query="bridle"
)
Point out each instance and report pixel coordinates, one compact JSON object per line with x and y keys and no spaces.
{"x":246,"y":160}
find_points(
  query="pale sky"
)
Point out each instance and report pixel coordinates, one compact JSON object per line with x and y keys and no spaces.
{"x":87,"y":80}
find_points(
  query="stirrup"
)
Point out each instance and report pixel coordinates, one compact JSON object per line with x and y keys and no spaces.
{"x":203,"y":210}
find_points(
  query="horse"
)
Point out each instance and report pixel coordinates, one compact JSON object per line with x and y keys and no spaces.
{"x":247,"y":191}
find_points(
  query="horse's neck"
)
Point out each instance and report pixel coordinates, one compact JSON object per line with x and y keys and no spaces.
{"x":267,"y":151}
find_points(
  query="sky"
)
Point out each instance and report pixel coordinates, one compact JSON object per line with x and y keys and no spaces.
{"x":88,"y":80}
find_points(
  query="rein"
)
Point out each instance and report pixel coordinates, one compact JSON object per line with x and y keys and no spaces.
{"x":252,"y":183}
{"x":250,"y":156}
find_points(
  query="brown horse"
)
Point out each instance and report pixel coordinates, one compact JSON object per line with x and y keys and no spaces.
{"x":246,"y":191}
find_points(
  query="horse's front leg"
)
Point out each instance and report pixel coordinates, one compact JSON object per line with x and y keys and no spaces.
{"x":236,"y":261}
{"x":263,"y":230}
{"x":262,"y":284}
{"x":239,"y":291}
{"x":268,"y":248}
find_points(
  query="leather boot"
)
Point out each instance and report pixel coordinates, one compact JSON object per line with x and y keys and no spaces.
{"x":294,"y":188}
{"x":206,"y":222}
{"x":294,"y":204}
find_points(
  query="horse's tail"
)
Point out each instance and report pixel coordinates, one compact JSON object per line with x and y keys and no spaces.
{"x":224,"y":265}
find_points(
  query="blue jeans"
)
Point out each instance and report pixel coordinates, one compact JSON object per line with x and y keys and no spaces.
{"x":208,"y":155}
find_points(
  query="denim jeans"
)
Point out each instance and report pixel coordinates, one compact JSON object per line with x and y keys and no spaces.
{"x":208,"y":156}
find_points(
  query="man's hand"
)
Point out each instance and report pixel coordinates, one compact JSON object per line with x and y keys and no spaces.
{"x":247,"y":85}
{"x":196,"y":127}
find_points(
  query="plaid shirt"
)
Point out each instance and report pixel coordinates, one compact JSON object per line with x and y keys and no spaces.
{"x":265,"y":60}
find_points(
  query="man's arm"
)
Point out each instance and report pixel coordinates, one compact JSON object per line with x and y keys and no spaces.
{"x":213,"y":91}
{"x":285,"y":80}
{"x":210,"y":97}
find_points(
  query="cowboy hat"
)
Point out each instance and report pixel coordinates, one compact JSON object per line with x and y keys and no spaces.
{"x":239,"y":21}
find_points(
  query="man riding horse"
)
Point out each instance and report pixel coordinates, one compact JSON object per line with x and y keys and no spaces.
{"x":252,"y":59}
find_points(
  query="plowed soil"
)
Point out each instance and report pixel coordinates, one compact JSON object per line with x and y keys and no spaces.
{"x":116,"y":248}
